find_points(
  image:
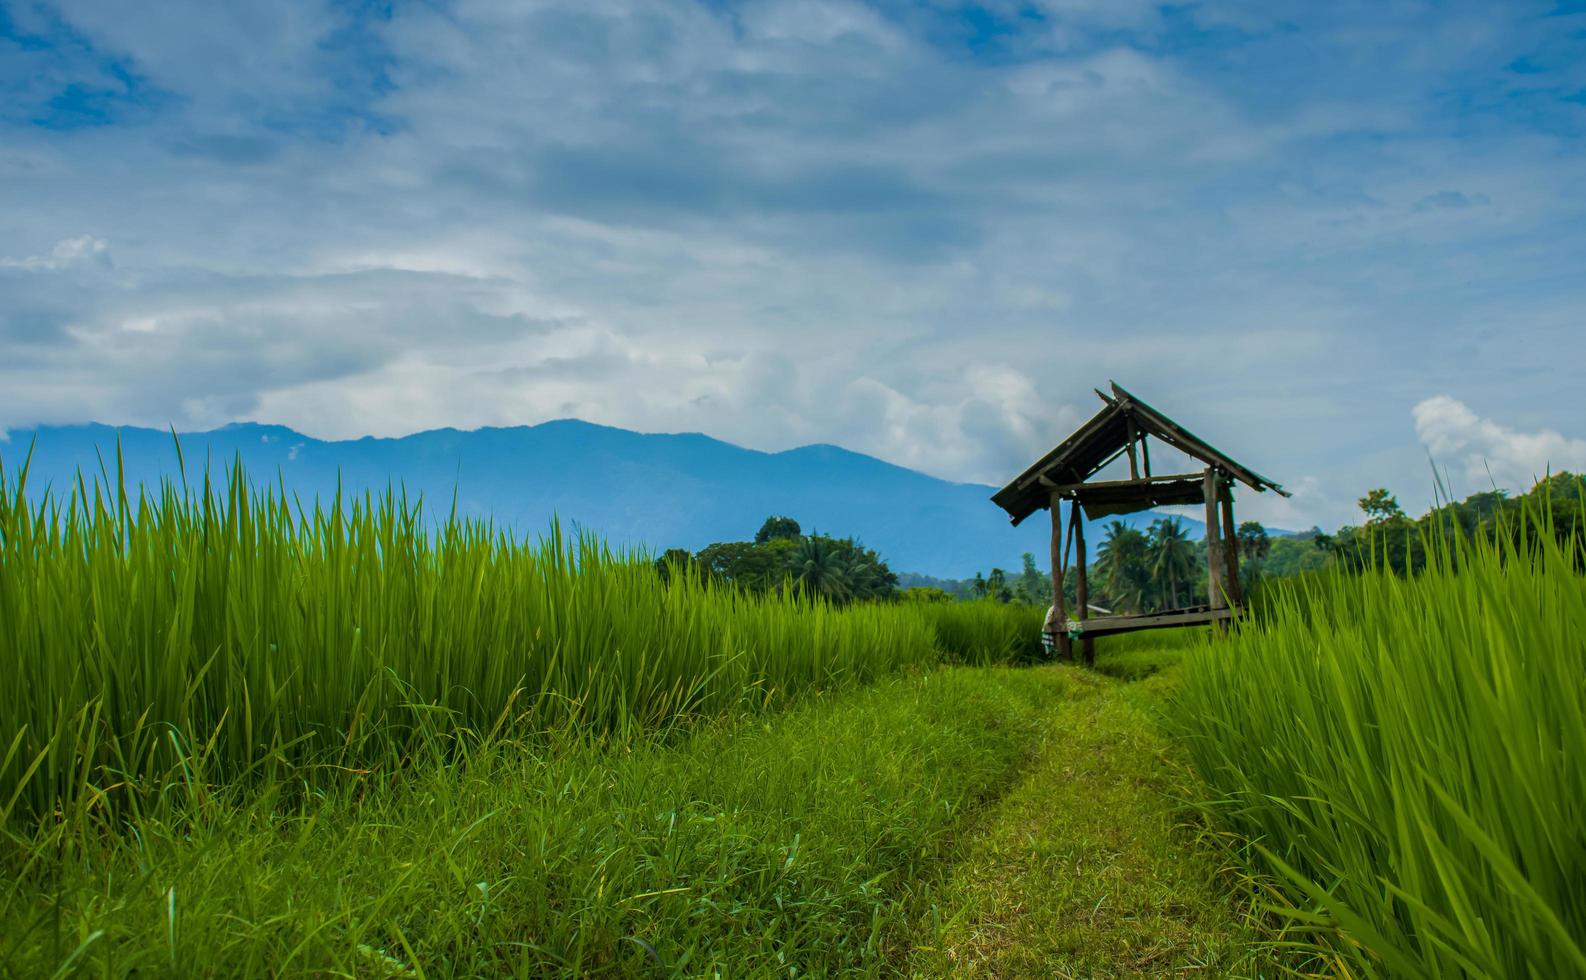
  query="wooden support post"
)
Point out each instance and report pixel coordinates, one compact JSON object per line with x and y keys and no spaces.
{"x":1236,"y":596}
{"x":1145,"y":456}
{"x":1216,"y":568}
{"x":1087,"y":644}
{"x":1057,"y":620}
{"x":1134,"y":466}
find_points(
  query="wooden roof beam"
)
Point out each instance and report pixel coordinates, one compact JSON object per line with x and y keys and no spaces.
{"x":1142,"y":482}
{"x":1034,"y":474}
{"x":1187,"y":442}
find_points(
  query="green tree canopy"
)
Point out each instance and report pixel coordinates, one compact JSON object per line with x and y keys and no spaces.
{"x":1396,"y":540}
{"x":1380,"y":506}
{"x":1124,"y":566}
{"x":837,"y":569}
{"x":1033,"y":586}
{"x":818,"y":567}
{"x":753,"y":566}
{"x":997,"y":586}
{"x":1172,"y":560}
{"x":777,"y":528}
{"x":674,"y":560}
{"x":1254,"y":544}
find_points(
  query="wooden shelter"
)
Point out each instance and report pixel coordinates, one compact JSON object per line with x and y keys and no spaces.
{"x":1123,"y":427}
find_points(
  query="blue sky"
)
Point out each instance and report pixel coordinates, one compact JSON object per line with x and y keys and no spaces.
{"x":1333,"y":238}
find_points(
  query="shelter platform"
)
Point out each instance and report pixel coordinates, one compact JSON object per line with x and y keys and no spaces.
{"x":1112,"y":625}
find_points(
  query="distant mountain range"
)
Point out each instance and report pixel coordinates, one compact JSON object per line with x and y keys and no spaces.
{"x":634,"y":489}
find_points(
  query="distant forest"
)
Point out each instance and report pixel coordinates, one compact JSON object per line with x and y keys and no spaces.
{"x":1160,"y":567}
{"x":840,"y":570}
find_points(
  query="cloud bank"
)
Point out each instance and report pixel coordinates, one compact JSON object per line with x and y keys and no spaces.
{"x":1488,"y":454}
{"x":922,"y":231}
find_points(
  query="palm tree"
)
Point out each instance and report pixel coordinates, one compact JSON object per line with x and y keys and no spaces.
{"x":1122,"y":561}
{"x":997,"y":586}
{"x":1172,"y":557}
{"x":819,"y":567}
{"x":868,"y":576}
{"x":1254,"y":546}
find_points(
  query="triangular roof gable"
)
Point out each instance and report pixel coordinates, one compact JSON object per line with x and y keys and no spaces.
{"x":1097,"y":442}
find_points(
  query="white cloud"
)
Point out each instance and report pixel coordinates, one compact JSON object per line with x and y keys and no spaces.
{"x":1487,"y":453}
{"x":84,"y":250}
{"x":1310,"y":504}
{"x":820,"y":22}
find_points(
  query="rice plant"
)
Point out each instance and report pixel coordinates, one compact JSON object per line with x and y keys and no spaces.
{"x":198,"y":635}
{"x":808,"y":840}
{"x":1407,"y":755}
{"x":986,"y":632}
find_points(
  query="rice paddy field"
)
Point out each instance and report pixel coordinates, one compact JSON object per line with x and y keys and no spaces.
{"x":245,"y":736}
{"x":1405,"y":758}
{"x":157,"y":639}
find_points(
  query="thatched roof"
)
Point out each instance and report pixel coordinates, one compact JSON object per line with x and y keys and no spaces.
{"x":1098,"y":442}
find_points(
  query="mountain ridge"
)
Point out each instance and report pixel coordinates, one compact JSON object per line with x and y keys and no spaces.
{"x":650,"y":490}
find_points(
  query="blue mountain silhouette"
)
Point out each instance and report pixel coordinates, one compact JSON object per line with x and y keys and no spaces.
{"x":634,"y":489}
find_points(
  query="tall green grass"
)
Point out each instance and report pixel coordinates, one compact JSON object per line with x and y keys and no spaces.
{"x":986,"y":632}
{"x":800,"y":845}
{"x":1407,"y":755}
{"x":218,"y":633}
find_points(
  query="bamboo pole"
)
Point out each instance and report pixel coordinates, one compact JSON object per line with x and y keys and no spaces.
{"x":1057,"y":619}
{"x":1216,"y":568}
{"x":1087,"y":643}
{"x":1231,"y":549}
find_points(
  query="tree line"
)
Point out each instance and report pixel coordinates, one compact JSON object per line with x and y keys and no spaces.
{"x":1135,"y":571}
{"x":1391,"y":538}
{"x":840,"y":570}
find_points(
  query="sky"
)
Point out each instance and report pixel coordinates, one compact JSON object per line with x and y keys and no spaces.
{"x":1342,"y":241}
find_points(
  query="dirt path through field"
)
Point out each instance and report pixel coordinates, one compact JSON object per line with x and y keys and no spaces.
{"x":1082,"y":870}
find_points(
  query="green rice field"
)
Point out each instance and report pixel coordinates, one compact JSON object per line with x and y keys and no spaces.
{"x":245,"y":735}
{"x":237,"y":634}
{"x":1405,"y":757}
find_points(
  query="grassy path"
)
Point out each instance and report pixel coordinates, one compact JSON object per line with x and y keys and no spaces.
{"x":1080,"y":871}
